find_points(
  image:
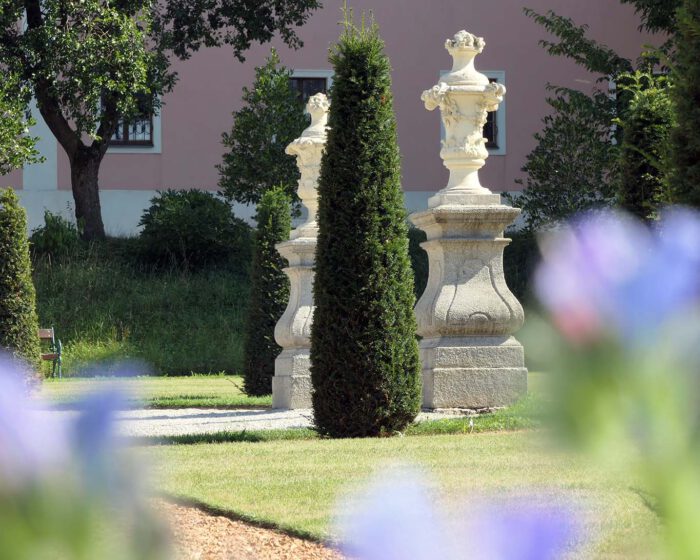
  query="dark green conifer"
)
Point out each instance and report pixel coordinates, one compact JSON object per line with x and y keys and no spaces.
{"x":365,"y":365}
{"x":269,"y":291}
{"x":685,"y":137}
{"x":18,"y":320}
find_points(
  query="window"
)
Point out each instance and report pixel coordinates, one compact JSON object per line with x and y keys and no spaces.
{"x":495,"y":128}
{"x":306,"y":87}
{"x":137,"y":131}
{"x":491,"y":126}
{"x":310,"y":82}
{"x":138,"y":135}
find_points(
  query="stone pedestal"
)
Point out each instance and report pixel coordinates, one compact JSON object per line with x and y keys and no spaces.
{"x":291,"y":385}
{"x":467,"y":314}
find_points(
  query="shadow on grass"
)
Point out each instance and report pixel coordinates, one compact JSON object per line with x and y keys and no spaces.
{"x":242,"y":517}
{"x":248,"y":436}
{"x":525,"y":415}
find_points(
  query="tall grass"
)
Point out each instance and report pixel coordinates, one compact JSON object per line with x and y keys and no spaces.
{"x":107,"y":308}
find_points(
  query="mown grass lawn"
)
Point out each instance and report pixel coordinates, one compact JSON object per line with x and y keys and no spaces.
{"x":197,"y":391}
{"x":296,"y":485}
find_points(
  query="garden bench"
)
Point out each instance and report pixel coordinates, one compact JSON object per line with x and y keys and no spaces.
{"x":55,"y":351}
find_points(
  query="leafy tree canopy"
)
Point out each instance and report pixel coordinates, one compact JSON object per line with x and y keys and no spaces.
{"x":271,"y":118}
{"x":87,"y":61}
{"x":657,"y":15}
{"x":16,"y":147}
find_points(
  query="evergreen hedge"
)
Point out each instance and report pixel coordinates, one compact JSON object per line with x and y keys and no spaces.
{"x":18,"y":319}
{"x":269,"y":291}
{"x":364,"y":354}
{"x":685,"y":137}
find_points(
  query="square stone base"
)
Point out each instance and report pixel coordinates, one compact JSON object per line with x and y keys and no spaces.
{"x":472,"y":372}
{"x":291,"y":385}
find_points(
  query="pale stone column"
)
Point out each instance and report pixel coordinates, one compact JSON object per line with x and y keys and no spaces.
{"x":467,"y":314}
{"x":291,"y":385}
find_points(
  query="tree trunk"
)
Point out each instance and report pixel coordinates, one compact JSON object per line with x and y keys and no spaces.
{"x":84,"y":171}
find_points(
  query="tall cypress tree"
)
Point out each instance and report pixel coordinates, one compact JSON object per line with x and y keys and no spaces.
{"x":685,"y":137}
{"x":365,"y":366}
{"x":269,"y":292}
{"x":18,"y":320}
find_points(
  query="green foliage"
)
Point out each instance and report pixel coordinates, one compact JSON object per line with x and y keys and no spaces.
{"x":192,"y":229}
{"x":573,"y":43}
{"x":365,"y":367}
{"x":18,"y":320}
{"x":657,"y":15}
{"x":419,"y":260}
{"x":646,"y":124}
{"x":269,"y":292}
{"x":16,"y":148}
{"x":685,"y":137}
{"x":570,"y":168}
{"x":271,"y":118}
{"x":107,"y":309}
{"x":56,"y":237}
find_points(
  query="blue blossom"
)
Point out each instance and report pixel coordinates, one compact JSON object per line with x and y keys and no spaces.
{"x":521,"y":530}
{"x":94,"y":437}
{"x":607,"y":272}
{"x":396,"y":519}
{"x":30,"y":446}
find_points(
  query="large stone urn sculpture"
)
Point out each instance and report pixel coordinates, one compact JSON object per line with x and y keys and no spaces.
{"x":467,"y":315}
{"x":291,"y":385}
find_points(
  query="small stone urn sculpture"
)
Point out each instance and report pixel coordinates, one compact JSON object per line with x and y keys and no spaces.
{"x":467,"y":314}
{"x":291,"y":385}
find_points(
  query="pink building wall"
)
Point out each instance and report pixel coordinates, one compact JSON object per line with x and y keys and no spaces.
{"x":210,"y":84}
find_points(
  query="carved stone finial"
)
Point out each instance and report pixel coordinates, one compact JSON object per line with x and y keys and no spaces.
{"x":464,"y":97}
{"x":465,"y":40}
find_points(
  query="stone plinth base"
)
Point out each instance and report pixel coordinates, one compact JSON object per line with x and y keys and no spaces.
{"x":291,"y":385}
{"x":472,"y":372}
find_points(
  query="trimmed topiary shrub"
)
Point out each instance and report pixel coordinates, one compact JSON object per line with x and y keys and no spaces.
{"x":191,"y":229}
{"x":520,"y":258}
{"x":685,"y":137}
{"x":18,"y":320}
{"x":269,"y":292}
{"x":419,"y":259}
{"x":365,"y":366}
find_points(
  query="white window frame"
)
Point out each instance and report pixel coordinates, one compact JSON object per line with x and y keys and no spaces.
{"x":500,"y":77}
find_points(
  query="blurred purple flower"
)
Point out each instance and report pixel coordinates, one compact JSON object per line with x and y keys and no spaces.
{"x":31,"y":445}
{"x":396,"y":520}
{"x":94,"y":437}
{"x":606,"y":271}
{"x":518,"y":530}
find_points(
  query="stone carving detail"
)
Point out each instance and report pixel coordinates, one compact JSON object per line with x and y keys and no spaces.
{"x":467,"y":314}
{"x":308,"y":150}
{"x":291,"y":385}
{"x":464,"y":97}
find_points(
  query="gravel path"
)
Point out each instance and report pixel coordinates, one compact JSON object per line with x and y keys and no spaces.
{"x":185,"y":421}
{"x":200,"y":536}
